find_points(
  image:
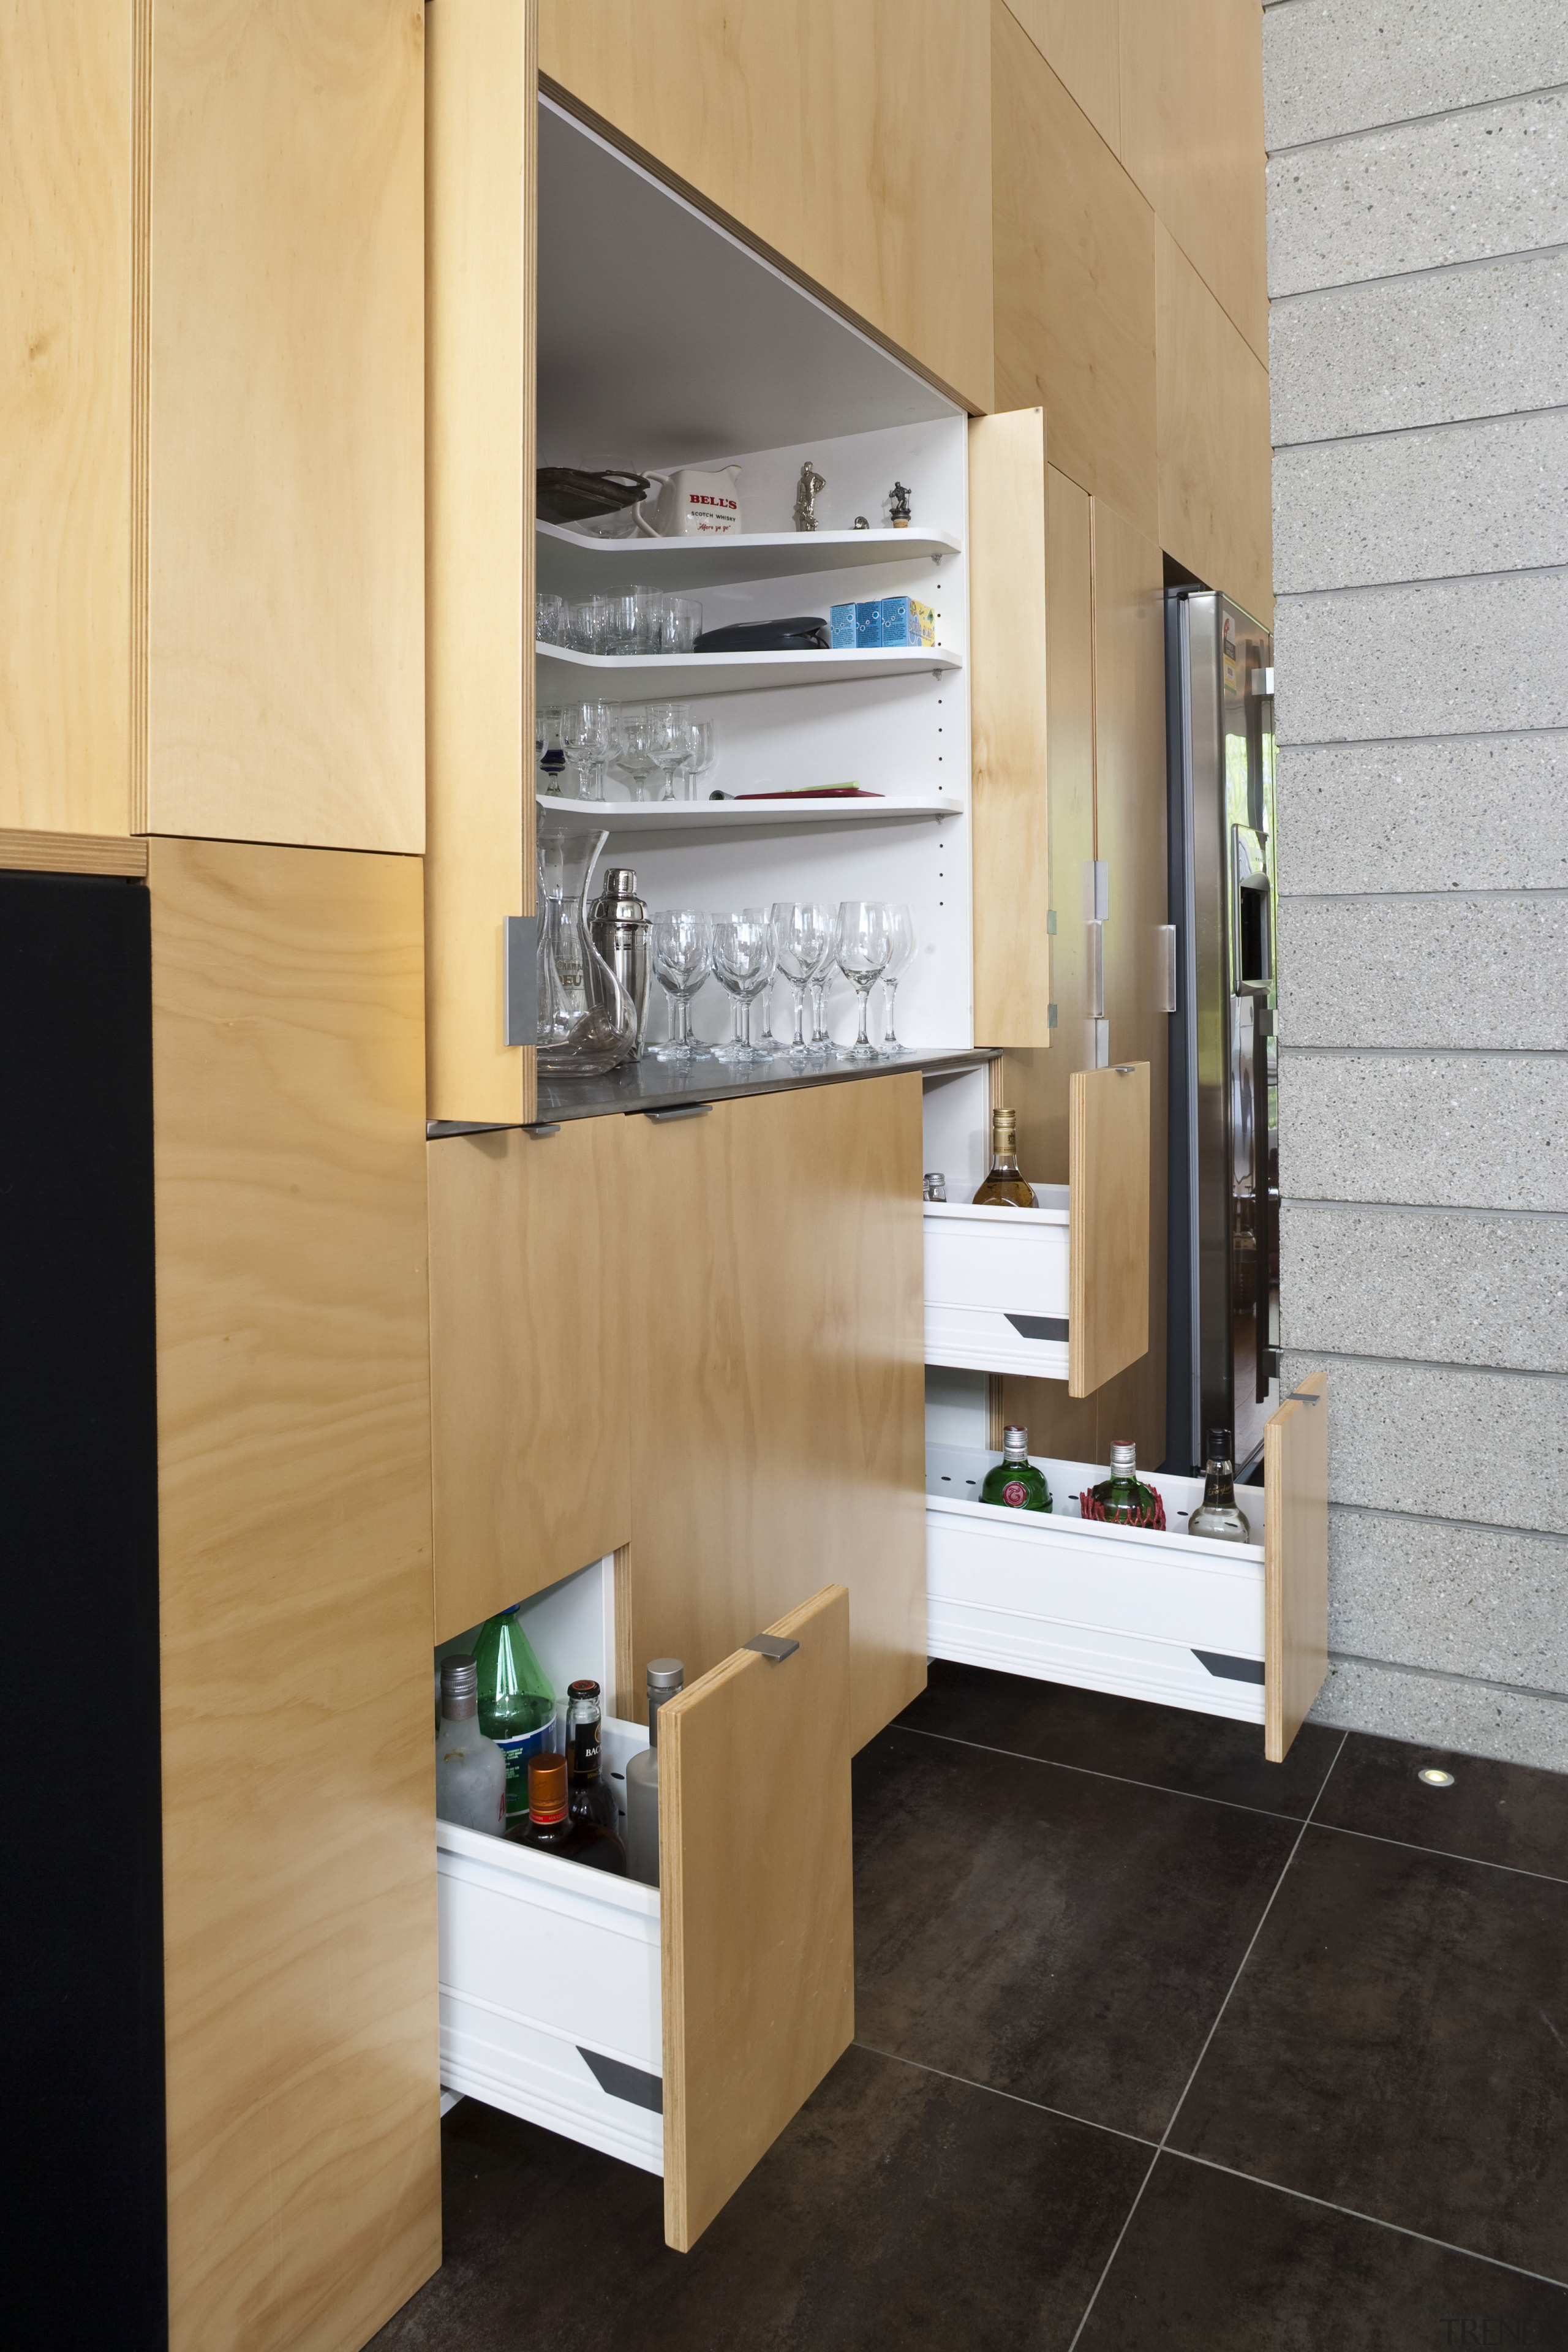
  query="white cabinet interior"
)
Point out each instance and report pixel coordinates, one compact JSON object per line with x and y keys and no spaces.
{"x":664,"y":342}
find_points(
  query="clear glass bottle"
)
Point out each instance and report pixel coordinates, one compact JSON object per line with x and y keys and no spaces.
{"x":470,"y":1771}
{"x":1003,"y":1188}
{"x":665,"y":1677}
{"x":1219,"y":1517}
{"x":589,"y":1795}
{"x":1014,"y":1483}
{"x":1123,"y":1496}
{"x":516,"y":1706}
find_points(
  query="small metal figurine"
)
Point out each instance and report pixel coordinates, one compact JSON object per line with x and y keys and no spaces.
{"x":898,"y":506}
{"x":806,"y":491}
{"x":862,"y":522}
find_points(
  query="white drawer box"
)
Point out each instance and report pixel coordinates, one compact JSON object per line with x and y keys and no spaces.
{"x":550,"y":1986}
{"x":1149,"y":1614}
{"x":997,"y":1288}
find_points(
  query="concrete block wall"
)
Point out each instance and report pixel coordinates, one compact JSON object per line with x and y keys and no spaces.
{"x":1419,"y":348}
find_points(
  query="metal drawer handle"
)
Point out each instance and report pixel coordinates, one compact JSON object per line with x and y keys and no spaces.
{"x":771,"y":1646}
{"x":685,"y":1110}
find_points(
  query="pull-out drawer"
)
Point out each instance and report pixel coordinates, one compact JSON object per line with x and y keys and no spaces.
{"x":1060,"y":1292}
{"x":1238,"y":1629}
{"x":680,"y":2027}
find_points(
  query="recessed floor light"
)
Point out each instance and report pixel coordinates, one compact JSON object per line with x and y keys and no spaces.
{"x":1433,"y":1778}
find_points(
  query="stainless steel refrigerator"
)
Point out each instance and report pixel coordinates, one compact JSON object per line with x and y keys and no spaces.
{"x":1224,"y":1325}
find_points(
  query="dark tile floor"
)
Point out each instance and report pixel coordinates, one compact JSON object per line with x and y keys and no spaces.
{"x":1158,"y":2045}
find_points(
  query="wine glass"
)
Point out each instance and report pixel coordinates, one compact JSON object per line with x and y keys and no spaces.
{"x":699,"y":759}
{"x":864,"y":944}
{"x":767,"y":1044}
{"x":551,"y":758}
{"x":903,"y":942}
{"x":634,"y":755}
{"x":668,"y":741}
{"x":822,"y":1047}
{"x":745,"y":956}
{"x":601,"y":742}
{"x":805,"y":937}
{"x":683,"y":943}
{"x":579,"y":728}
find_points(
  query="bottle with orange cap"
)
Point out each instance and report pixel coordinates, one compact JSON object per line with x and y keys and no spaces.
{"x":550,"y":1828}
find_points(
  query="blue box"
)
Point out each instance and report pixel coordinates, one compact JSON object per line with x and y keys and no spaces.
{"x":907,"y":622}
{"x":868,"y":623}
{"x":841,"y":621}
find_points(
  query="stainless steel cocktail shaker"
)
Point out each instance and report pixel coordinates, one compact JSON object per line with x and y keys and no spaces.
{"x":618,"y":926}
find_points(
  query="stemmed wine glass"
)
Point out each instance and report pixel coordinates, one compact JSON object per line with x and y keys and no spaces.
{"x":903,"y":942}
{"x":668,"y":741}
{"x":822,"y":1046}
{"x":805,"y":949}
{"x":745,"y":957}
{"x":580,"y":729}
{"x":699,"y":759}
{"x":864,"y":943}
{"x":683,"y":943}
{"x":634,"y":755}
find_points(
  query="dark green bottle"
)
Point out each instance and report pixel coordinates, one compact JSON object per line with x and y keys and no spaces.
{"x":1014,"y":1483}
{"x":516,"y":1706}
{"x":1123,"y":1496}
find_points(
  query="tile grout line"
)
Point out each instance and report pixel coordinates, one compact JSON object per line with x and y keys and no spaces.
{"x":1092,"y":1772}
{"x":1214,"y":2029}
{"x":1353,"y":2213}
{"x":991,"y":2091}
{"x":1441,"y":1853}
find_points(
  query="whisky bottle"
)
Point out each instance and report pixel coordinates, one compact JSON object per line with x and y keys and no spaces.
{"x":589,"y":1797}
{"x":665,"y":1677}
{"x":1123,"y":1496}
{"x":1218,"y":1517}
{"x":1003,"y":1188}
{"x":470,"y":1771}
{"x":1014,"y":1482}
{"x":550,"y":1828}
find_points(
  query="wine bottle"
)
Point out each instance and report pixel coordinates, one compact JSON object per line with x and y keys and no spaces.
{"x":665,"y":1677}
{"x":516,"y":1706}
{"x":1219,"y":1517}
{"x":550,"y":1828}
{"x":470,"y":1771}
{"x":1123,"y":1496}
{"x":1014,"y":1482}
{"x":589,"y":1797}
{"x":1003,"y":1188}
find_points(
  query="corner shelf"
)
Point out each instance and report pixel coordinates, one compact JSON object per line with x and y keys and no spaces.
{"x":570,"y":565}
{"x":655,"y":818}
{"x":565,"y":676}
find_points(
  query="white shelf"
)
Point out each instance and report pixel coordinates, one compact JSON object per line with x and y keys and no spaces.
{"x":567,"y":677}
{"x":655,"y":818}
{"x":570,"y":565}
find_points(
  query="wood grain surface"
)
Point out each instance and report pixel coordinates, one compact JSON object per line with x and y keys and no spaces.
{"x":846,"y":139}
{"x":74,"y":853}
{"x":1080,"y":41}
{"x":294,"y":1509}
{"x":530,"y":1245}
{"x":757,"y":1904}
{"x":1216,"y":469}
{"x":64,"y":415}
{"x":1073,"y":269}
{"x":773,"y":1315}
{"x":1009,"y":640}
{"x":482,"y":141}
{"x":284,"y":628}
{"x":1108,"y":1319}
{"x":1294,"y":1563}
{"x":1130,"y":794}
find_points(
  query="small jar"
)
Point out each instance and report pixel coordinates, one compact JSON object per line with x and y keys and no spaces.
{"x":935,"y":1185}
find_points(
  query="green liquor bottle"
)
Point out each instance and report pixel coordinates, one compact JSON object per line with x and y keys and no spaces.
{"x":1123,"y":1496}
{"x":516,"y":1706}
{"x":1014,"y":1483}
{"x":1219,"y":1517}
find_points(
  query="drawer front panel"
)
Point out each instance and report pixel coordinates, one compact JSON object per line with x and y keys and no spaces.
{"x":996,"y":1291}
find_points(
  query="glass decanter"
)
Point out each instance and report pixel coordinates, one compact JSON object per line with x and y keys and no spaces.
{"x":587,"y":1022}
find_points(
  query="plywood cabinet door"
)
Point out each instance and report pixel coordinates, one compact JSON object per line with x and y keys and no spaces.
{"x":756,"y":1894}
{"x":773,"y":1318}
{"x":529,"y":1373}
{"x":1295,"y":1561}
{"x":1107,"y":1326}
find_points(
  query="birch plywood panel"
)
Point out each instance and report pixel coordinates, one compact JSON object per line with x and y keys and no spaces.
{"x":480,"y":209}
{"x":294,"y":1533}
{"x":1080,"y":41}
{"x":774,"y":1318}
{"x":1008,"y":652}
{"x":1295,"y":1562}
{"x":1212,"y":392}
{"x":528,"y":1361}
{"x":66,"y":78}
{"x":1192,"y":137}
{"x":1074,"y":270}
{"x":757,"y":1904}
{"x":284,"y":550}
{"x":1107,"y":1326}
{"x":846,"y":138}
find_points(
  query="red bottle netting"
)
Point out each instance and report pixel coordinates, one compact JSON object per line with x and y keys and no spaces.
{"x":1092,"y":1509}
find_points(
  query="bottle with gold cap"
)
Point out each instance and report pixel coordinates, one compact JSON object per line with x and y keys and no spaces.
{"x":550,"y":1828}
{"x":1003,"y":1188}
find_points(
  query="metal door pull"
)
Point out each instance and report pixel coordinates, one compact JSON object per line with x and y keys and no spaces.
{"x":685,"y":1110}
{"x":1304,"y":1396}
{"x":771,"y":1646}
